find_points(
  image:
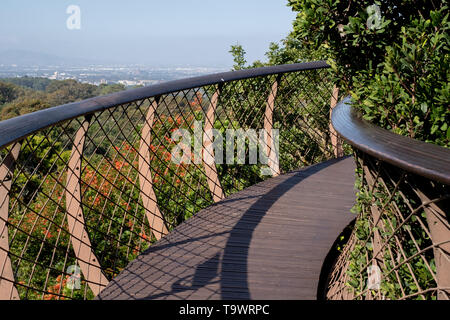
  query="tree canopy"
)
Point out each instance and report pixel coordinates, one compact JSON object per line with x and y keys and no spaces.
{"x":24,"y":95}
{"x":392,"y":57}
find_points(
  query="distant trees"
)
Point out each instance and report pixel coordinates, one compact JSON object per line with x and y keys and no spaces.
{"x":8,"y":92}
{"x":110,"y":88}
{"x":30,"y":82}
{"x":65,"y":91}
{"x":23,"y":105}
{"x":286,"y":51}
{"x":238,"y":53}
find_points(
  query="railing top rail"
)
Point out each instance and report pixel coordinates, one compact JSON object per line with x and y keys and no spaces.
{"x":14,"y":129}
{"x":425,"y":159}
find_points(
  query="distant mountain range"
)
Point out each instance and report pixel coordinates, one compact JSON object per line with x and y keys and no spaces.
{"x":25,"y":58}
{"x":29,"y":58}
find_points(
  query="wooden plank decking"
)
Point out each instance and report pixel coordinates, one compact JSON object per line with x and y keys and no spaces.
{"x":266,"y":242}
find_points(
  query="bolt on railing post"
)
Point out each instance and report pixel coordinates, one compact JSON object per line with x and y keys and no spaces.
{"x":7,"y":289}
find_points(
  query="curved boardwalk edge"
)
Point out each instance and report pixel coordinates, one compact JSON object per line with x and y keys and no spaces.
{"x":268,"y":241}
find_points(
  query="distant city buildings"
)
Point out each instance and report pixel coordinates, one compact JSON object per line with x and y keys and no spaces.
{"x":129,"y":76}
{"x":131,"y":83}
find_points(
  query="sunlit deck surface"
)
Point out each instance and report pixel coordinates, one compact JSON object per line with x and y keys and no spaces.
{"x":266,"y":242}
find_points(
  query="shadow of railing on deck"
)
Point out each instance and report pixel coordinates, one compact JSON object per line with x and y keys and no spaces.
{"x":215,"y":269}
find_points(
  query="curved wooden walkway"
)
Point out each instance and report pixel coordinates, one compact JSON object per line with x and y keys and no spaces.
{"x":266,"y":242}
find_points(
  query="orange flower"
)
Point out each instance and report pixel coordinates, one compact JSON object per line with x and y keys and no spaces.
{"x":144,"y":236}
{"x":120,"y":164}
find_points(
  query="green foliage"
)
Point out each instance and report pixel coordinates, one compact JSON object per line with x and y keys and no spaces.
{"x":8,"y":92}
{"x":288,"y":50}
{"x":39,"y":84}
{"x":25,"y":95}
{"x":104,"y":89}
{"x":392,"y":57}
{"x":399,"y":278}
{"x":413,"y":85}
{"x":303,"y":122}
{"x":37,"y":219}
{"x":293,"y":50}
{"x":38,"y":156}
{"x":23,"y":105}
{"x":238,"y":54}
{"x":396,"y":67}
{"x":65,"y":91}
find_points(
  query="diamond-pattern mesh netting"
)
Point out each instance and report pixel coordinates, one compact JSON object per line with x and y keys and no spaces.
{"x":399,"y":247}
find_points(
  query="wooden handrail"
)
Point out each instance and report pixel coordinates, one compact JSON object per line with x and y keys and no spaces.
{"x":424,"y":159}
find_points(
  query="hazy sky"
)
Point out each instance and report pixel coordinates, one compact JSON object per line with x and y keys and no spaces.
{"x":153,"y":32}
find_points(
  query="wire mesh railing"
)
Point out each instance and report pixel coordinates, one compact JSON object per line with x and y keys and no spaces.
{"x":399,"y":247}
{"x":86,"y":187}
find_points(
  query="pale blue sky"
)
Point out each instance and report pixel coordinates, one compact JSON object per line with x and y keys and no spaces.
{"x":154,"y":32}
